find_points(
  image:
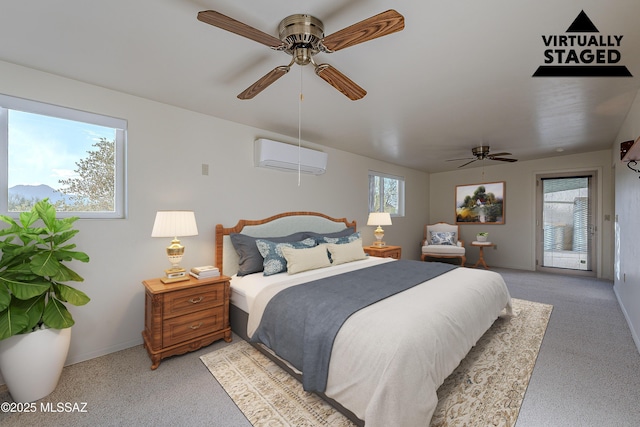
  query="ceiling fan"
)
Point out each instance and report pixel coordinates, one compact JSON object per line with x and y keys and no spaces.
{"x":481,"y":153}
{"x":302,"y":36}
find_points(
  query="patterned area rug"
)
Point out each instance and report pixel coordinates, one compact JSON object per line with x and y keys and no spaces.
{"x":486,"y":389}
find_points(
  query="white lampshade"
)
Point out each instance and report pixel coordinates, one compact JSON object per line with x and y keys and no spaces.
{"x":174,"y":224}
{"x":379,"y":218}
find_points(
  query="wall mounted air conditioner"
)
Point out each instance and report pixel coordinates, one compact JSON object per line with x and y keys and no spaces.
{"x":284,"y":157}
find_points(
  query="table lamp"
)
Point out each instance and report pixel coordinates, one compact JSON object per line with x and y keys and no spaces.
{"x":379,"y":218}
{"x":174,"y":224}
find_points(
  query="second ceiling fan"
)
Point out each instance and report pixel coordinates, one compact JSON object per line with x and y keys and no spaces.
{"x":481,"y":153}
{"x":302,"y":36}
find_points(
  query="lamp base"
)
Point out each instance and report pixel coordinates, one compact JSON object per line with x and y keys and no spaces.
{"x":166,"y":280}
{"x":379,"y":244}
{"x":175,"y":275}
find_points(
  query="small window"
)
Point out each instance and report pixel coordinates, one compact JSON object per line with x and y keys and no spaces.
{"x":74,"y":158}
{"x":386,"y":193}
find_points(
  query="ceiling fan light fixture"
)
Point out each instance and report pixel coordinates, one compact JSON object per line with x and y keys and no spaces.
{"x":302,"y":55}
{"x":481,"y":152}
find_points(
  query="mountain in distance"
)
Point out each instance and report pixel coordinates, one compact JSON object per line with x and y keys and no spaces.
{"x":37,"y":192}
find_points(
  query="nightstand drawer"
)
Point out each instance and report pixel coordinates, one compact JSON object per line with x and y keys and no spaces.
{"x":393,"y":254}
{"x":189,"y":300}
{"x":179,"y":329}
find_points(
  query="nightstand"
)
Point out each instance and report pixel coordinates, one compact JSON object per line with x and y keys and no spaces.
{"x":184,"y":316}
{"x":384,"y":251}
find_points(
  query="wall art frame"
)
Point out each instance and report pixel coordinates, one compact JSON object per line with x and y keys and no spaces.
{"x":482,"y":203}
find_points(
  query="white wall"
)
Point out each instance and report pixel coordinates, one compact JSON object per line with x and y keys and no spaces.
{"x":516,"y":238}
{"x":627,"y":230}
{"x":166,"y":148}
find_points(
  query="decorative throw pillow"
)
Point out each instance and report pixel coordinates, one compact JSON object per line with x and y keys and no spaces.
{"x":346,"y":252}
{"x":443,"y":238}
{"x":341,"y":240}
{"x":320,"y":236}
{"x":299,"y":260}
{"x":250,"y":260}
{"x":274,"y":261}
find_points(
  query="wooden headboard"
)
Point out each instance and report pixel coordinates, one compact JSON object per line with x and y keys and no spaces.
{"x":278,"y":225}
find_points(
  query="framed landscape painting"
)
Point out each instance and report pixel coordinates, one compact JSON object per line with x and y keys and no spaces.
{"x":480,"y":203}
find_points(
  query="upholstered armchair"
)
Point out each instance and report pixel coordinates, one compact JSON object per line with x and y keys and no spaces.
{"x":441,"y":241}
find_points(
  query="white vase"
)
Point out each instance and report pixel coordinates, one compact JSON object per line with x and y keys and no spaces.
{"x":31,"y":363}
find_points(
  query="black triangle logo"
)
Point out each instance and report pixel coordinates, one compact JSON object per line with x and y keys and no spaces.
{"x":582,"y":24}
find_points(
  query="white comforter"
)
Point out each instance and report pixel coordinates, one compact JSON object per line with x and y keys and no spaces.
{"x":389,"y":359}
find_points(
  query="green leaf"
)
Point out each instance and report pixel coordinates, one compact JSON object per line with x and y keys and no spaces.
{"x":56,"y":315}
{"x":69,"y":255}
{"x":65,"y":274}
{"x":13,"y":321}
{"x":28,"y":218}
{"x":64,"y":224}
{"x":5,"y":297}
{"x":71,"y":295}
{"x":26,"y":289}
{"x":58,"y":239}
{"x":8,"y":220}
{"x":14,"y":227}
{"x":34,"y":308}
{"x":47,"y":213}
{"x":45,"y":264}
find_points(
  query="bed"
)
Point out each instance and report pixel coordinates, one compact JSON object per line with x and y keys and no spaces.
{"x":388,"y":358}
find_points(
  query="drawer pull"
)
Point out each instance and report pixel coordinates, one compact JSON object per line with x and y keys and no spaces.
{"x":196,"y":326}
{"x":195,"y":301}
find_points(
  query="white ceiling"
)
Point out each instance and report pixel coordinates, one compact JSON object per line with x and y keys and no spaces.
{"x":459,"y":74}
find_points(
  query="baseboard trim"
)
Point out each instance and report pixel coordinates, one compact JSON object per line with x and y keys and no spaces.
{"x":634,"y":334}
{"x":103,"y":351}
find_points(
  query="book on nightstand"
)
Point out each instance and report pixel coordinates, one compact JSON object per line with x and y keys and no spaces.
{"x":205,"y":271}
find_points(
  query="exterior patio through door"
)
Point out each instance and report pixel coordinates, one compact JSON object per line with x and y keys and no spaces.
{"x":565,"y":229}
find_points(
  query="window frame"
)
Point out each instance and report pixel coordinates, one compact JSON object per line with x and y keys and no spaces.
{"x":401,"y":192}
{"x":35,"y":107}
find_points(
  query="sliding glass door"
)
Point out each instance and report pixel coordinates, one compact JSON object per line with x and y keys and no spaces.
{"x":566,"y":232}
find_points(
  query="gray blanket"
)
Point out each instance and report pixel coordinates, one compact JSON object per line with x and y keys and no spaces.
{"x":300,"y":323}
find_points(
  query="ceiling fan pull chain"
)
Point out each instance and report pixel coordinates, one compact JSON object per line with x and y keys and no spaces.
{"x":300,"y":99}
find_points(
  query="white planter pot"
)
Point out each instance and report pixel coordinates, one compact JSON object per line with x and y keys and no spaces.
{"x":481,"y":238}
{"x":31,"y":363}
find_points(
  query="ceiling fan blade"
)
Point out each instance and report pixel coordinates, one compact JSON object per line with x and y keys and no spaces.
{"x":379,"y":25}
{"x":499,"y":154}
{"x":461,"y":166}
{"x":463,"y":158}
{"x":503,"y":159}
{"x":264,"y":82}
{"x":341,"y":82}
{"x":222,"y":21}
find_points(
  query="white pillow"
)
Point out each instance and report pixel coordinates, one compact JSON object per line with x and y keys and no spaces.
{"x":346,"y":252}
{"x":299,"y":260}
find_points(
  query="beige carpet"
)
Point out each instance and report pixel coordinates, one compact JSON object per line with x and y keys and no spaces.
{"x":486,"y":389}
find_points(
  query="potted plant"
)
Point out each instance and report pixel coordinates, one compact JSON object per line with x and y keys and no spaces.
{"x":482,"y":236}
{"x":32,"y":299}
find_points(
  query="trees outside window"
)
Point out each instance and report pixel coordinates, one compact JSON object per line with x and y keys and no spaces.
{"x":74,"y":158}
{"x":386,"y":193}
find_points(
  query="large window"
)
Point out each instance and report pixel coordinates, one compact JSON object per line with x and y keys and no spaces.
{"x":386,"y":193}
{"x":74,"y":158}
